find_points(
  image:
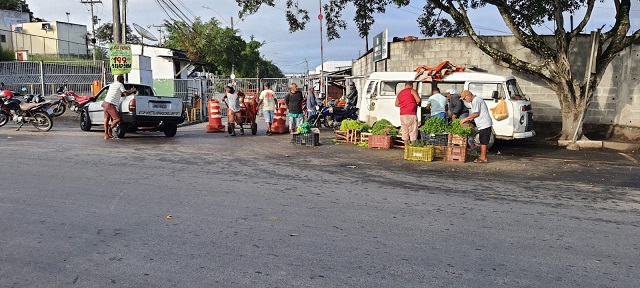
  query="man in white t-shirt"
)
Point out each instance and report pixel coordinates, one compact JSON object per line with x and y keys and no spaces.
{"x":111,"y":103}
{"x":480,"y":115}
{"x":268,"y":99}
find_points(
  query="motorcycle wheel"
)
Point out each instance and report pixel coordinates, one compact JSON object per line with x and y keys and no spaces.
{"x":59,"y":109}
{"x":313,"y":119}
{"x":42,"y":121}
{"x":85,"y":122}
{"x":4,"y":118}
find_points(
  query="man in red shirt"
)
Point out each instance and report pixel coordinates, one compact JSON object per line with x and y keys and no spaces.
{"x":408,"y":100}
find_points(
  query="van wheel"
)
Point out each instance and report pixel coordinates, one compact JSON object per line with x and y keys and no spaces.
{"x":492,"y":139}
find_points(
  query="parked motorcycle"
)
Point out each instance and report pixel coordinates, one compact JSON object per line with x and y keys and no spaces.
{"x":23,"y":113}
{"x":69,"y":100}
{"x":331,"y":116}
{"x":48,"y":104}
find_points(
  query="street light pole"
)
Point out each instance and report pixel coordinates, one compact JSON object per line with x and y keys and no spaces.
{"x":68,"y":35}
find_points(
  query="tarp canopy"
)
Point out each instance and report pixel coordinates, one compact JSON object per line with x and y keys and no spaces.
{"x":429,"y":74}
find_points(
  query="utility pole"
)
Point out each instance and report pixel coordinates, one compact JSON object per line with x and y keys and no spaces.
{"x":93,"y":23}
{"x":68,"y":36}
{"x":160,"y":27}
{"x":124,"y":22}
{"x":320,"y":17}
{"x":116,"y":21}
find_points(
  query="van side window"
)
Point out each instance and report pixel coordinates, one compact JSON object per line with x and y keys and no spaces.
{"x":485,"y":90}
{"x":389,"y":88}
{"x":371,"y":87}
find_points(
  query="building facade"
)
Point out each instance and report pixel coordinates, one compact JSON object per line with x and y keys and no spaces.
{"x":7,"y":19}
{"x":53,"y":39}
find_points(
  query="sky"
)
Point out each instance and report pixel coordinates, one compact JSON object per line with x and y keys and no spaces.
{"x":289,"y":51}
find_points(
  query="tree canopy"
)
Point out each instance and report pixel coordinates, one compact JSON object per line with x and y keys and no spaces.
{"x":104,"y":34}
{"x":523,"y":18}
{"x":220,"y":47}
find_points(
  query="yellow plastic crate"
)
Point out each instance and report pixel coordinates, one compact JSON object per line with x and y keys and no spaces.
{"x":419,"y":153}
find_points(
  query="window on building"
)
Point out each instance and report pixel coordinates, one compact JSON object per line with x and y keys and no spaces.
{"x":3,"y":39}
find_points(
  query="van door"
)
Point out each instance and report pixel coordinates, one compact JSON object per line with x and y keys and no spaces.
{"x":386,"y":104}
{"x":369,"y":101}
{"x":491,"y":93}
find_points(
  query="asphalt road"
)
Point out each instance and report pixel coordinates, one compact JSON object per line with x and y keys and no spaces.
{"x":255,"y":211}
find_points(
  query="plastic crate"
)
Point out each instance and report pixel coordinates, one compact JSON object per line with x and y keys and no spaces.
{"x":419,"y":153}
{"x":435,"y":139}
{"x":440,"y":152}
{"x":457,"y":153}
{"x":309,"y":139}
{"x":379,"y":141}
{"x":457,"y":140}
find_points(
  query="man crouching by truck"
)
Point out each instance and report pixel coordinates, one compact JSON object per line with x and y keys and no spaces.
{"x":111,"y":103}
{"x":480,"y":115}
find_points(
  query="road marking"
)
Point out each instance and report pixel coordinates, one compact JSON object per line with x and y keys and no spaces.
{"x":625,"y":155}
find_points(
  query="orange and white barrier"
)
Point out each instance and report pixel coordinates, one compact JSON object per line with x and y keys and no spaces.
{"x":215,"y":117}
{"x":280,"y":119}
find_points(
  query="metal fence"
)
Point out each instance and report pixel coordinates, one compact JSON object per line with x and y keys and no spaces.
{"x":46,"y":77}
{"x":250,"y":86}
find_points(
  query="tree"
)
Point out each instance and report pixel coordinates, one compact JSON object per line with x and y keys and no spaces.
{"x":18,"y":5}
{"x":221,"y":48}
{"x":104,"y":34}
{"x":451,"y":18}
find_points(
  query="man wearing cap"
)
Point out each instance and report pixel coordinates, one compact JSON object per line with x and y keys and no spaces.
{"x":233,"y":113}
{"x":480,"y":115}
{"x":267,"y":97}
{"x":456,"y":106}
{"x":352,"y":97}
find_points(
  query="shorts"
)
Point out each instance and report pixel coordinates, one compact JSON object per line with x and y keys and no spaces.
{"x":232,"y":115}
{"x":485,"y":136}
{"x":294,"y":123}
{"x":268,"y":116}
{"x":110,"y":111}
{"x":311,"y":113}
{"x":409,"y":127}
{"x":442,"y":115}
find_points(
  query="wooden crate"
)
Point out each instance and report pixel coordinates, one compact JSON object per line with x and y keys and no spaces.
{"x":455,"y":139}
{"x":341,"y":136}
{"x":457,"y":153}
{"x":419,"y":153}
{"x":379,"y":141}
{"x":353,"y":136}
{"x":440,"y":152}
{"x":398,"y":142}
{"x":364,"y":137}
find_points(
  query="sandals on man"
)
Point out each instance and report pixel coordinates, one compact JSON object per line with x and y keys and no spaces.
{"x":478,"y":160}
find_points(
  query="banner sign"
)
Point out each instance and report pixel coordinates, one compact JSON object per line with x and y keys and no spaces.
{"x":380,"y":45}
{"x":120,"y":57}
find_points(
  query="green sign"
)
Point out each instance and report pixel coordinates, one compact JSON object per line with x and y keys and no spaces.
{"x":121,"y":58}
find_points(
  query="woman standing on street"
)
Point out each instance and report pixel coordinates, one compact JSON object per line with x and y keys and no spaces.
{"x":233,"y":113}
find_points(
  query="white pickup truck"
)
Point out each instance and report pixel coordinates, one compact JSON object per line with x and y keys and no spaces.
{"x":142,"y":110}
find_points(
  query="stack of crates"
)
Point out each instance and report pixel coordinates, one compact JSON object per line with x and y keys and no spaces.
{"x":457,"y":148}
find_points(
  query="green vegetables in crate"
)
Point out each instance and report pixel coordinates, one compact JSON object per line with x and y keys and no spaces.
{"x":457,"y":128}
{"x":349,"y":124}
{"x":385,"y":128}
{"x":304,"y":128}
{"x":435,"y":125}
{"x":419,"y":143}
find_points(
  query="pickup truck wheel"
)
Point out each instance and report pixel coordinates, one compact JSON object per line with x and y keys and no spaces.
{"x":170,"y":130}
{"x":254,"y":129}
{"x":120,"y":130}
{"x":85,"y":122}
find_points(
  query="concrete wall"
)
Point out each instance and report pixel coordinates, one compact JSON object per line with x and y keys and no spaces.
{"x":616,"y":101}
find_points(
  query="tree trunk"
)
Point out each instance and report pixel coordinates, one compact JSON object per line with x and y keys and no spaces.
{"x":570,"y":118}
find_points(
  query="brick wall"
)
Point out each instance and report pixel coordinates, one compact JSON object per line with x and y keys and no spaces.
{"x":616,"y":101}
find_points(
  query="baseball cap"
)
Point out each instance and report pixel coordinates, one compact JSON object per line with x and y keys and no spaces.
{"x":352,"y":84}
{"x":451,"y":91}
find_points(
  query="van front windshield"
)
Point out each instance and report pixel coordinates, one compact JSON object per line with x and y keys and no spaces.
{"x":514,"y":90}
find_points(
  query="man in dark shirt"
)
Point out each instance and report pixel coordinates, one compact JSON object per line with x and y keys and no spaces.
{"x":352,"y":97}
{"x":456,"y":106}
{"x":294,"y":100}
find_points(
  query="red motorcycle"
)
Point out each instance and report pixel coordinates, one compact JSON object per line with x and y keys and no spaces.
{"x":69,"y":100}
{"x":24,"y":113}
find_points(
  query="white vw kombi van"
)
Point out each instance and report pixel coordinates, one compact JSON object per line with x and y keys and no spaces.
{"x":381,"y":89}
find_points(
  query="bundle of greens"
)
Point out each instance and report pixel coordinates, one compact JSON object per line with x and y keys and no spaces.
{"x":457,"y":128}
{"x":385,"y":128}
{"x":304,"y":128}
{"x":435,"y":125}
{"x":418,"y":143}
{"x":349,"y":124}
